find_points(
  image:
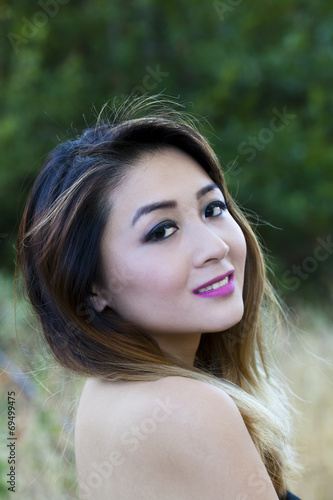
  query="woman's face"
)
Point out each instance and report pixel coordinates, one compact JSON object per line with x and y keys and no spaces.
{"x":172,"y":255}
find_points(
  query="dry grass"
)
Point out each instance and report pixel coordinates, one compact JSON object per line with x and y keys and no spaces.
{"x":308,"y":363}
{"x":45,"y":406}
{"x":45,"y":452}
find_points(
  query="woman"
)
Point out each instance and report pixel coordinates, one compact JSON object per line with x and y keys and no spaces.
{"x":148,"y":280}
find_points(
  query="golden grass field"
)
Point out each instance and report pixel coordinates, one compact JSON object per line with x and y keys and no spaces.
{"x":308,"y":363}
{"x":45,"y":418}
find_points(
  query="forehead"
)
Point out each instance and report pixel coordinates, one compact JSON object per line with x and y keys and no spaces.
{"x":163,"y":173}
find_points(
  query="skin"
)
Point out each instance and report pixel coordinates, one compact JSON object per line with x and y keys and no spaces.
{"x":174,"y":438}
{"x":151,"y":282}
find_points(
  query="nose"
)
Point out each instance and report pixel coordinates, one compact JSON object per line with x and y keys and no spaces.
{"x":207,"y":246}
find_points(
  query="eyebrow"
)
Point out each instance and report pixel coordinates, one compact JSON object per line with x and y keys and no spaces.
{"x":147,"y":209}
{"x":207,"y":189}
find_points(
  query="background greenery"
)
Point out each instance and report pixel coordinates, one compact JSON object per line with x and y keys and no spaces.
{"x":235,"y":63}
{"x":238,"y":65}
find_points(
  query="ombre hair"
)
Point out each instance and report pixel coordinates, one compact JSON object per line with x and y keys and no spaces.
{"x":59,"y":257}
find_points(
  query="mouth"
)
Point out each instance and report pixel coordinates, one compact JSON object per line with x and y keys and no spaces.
{"x":220,"y":286}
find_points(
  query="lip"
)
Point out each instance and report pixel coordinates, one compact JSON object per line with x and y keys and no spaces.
{"x":218,"y":292}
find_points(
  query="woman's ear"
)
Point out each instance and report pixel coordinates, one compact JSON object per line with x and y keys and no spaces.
{"x":99,"y":298}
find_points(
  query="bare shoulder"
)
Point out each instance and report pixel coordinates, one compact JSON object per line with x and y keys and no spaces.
{"x":182,"y":400}
{"x":204,"y":446}
{"x":173,"y":438}
{"x":196,"y":408}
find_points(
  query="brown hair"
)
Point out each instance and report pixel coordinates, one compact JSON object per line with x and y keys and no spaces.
{"x":58,"y":253}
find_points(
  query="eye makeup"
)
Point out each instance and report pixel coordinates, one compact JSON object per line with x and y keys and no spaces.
{"x":161,"y":231}
{"x":167,"y":228}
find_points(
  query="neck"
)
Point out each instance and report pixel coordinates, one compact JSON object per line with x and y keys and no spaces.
{"x":181,"y":346}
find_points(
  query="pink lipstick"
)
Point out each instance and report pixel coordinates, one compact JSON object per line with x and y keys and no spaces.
{"x":218,"y":287}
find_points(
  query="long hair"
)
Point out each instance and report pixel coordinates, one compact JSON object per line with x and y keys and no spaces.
{"x":59,"y":256}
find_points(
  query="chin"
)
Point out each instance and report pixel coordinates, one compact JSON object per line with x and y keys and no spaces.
{"x":230,"y":318}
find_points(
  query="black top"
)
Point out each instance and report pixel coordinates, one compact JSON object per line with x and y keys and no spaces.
{"x":290,"y":496}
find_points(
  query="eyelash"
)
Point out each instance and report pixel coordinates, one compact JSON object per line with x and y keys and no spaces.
{"x":168,"y":224}
{"x":218,"y":204}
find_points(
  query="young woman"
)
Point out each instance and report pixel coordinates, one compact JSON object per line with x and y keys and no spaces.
{"x":148,"y":280}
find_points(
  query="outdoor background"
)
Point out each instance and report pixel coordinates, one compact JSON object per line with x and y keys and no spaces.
{"x":260,"y":76}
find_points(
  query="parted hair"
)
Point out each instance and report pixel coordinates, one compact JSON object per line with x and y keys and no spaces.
{"x":58,"y":254}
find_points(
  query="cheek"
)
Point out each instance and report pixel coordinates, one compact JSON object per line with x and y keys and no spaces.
{"x":238,"y":241}
{"x":147,"y":290}
{"x":138,"y":275}
{"x":242,"y":246}
{"x":118,"y":274}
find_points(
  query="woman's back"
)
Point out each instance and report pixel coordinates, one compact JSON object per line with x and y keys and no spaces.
{"x":172,"y":438}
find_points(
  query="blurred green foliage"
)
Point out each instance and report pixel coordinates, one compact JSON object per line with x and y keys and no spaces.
{"x":241,"y":65}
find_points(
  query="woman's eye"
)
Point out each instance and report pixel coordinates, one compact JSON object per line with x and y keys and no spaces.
{"x":215,"y":209}
{"x":161,"y":232}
